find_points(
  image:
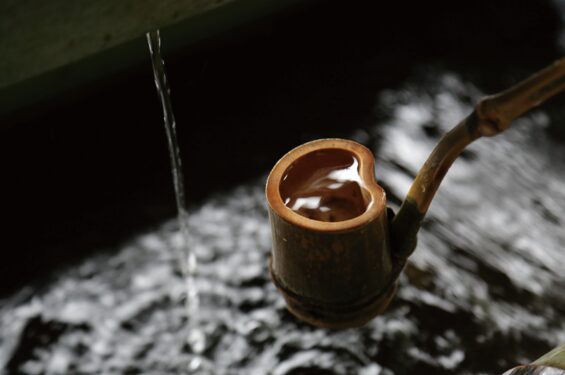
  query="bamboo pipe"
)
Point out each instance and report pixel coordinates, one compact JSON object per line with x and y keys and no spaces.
{"x":331,"y":274}
{"x":341,"y":272}
{"x":552,"y":363}
{"x":492,"y":116}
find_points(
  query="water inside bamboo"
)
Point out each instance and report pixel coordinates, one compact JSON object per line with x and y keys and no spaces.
{"x":325,"y":185}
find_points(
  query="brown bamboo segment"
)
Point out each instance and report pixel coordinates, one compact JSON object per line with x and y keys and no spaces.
{"x":491,"y":116}
{"x":501,"y":109}
{"x":341,"y":273}
{"x":551,"y":363}
{"x":331,"y":274}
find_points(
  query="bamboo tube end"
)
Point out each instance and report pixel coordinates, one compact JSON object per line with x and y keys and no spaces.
{"x":334,"y":316}
{"x":333,"y":269}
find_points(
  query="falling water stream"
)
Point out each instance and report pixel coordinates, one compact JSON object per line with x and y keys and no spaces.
{"x":187,"y":257}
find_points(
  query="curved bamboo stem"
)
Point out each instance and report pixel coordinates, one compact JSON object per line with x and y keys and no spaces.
{"x":554,"y":358}
{"x":552,"y":363}
{"x":491,"y":116}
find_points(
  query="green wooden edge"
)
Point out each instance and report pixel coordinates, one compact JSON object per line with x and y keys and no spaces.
{"x":555,"y":358}
{"x":194,"y":27}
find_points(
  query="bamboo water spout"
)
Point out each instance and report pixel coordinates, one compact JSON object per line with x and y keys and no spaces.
{"x":552,"y":363}
{"x":337,"y":249}
{"x":492,"y":116}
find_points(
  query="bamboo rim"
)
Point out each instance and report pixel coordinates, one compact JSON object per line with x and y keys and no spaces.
{"x":377,"y":201}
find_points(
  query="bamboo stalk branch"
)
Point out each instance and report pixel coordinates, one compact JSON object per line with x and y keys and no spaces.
{"x":555,"y":358}
{"x":491,"y":116}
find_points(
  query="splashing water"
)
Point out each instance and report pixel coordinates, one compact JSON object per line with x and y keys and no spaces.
{"x":188,"y":261}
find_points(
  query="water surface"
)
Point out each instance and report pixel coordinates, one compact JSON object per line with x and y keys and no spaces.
{"x":482,"y":293}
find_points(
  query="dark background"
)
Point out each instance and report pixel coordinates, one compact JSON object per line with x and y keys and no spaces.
{"x":86,"y":170}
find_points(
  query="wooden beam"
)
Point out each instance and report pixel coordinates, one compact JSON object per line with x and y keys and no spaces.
{"x":48,"y":47}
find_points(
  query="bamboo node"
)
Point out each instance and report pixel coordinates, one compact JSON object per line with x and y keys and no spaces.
{"x":491,"y":120}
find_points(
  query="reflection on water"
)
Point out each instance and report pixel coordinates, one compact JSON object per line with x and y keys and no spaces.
{"x":483,"y":291}
{"x":325,"y":185}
